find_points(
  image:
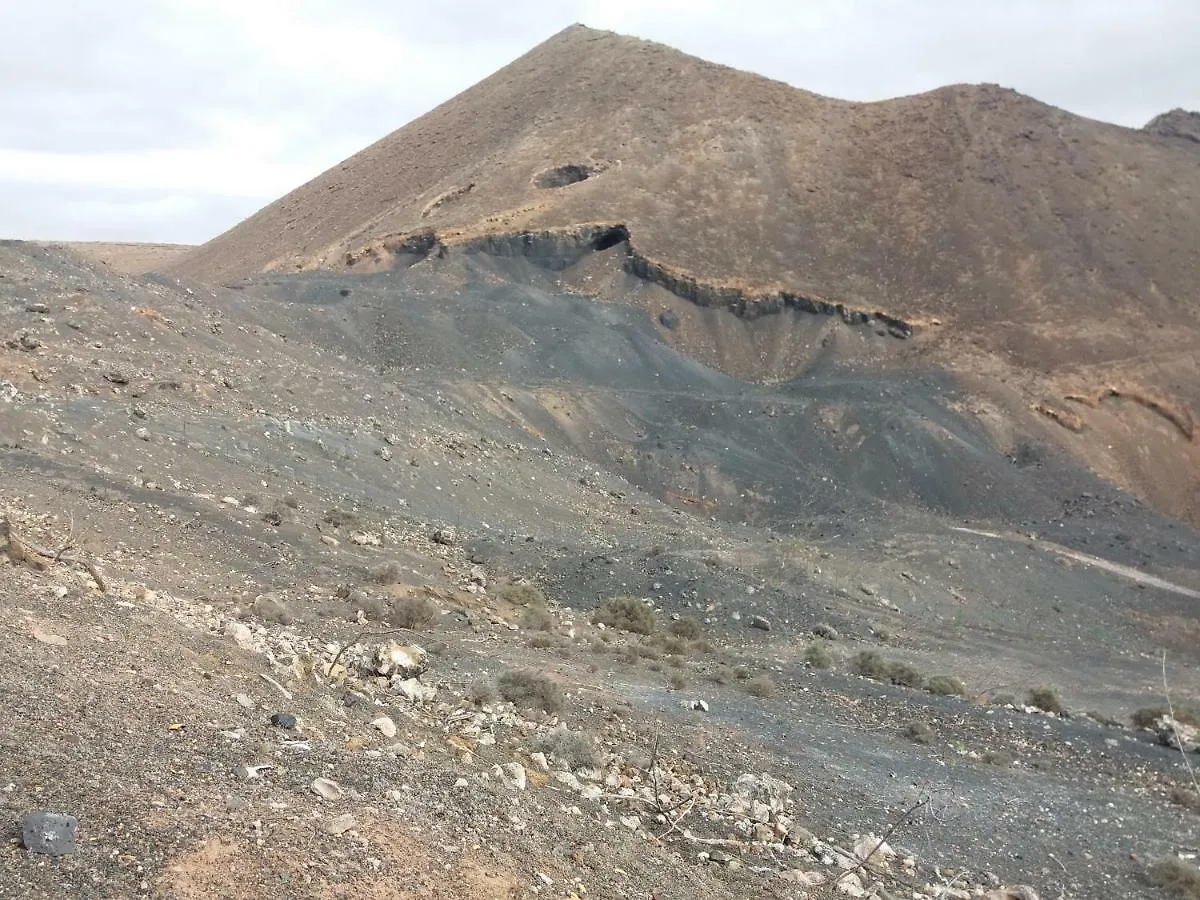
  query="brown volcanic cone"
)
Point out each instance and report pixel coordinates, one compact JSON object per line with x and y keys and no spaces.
{"x":969,"y":203}
{"x":1054,"y":252}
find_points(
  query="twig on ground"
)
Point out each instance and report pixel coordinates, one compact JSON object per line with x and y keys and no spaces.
{"x":923,"y":801}
{"x":21,"y":549}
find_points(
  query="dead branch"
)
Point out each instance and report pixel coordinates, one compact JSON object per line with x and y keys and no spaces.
{"x":23,"y":550}
{"x":923,"y":801}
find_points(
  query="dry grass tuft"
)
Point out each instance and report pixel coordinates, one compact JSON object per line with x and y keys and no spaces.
{"x":945,"y":686}
{"x":413,"y":612}
{"x":537,"y":690}
{"x":626,"y":614}
{"x":687,"y":628}
{"x":1179,"y":879}
{"x":574,"y":749}
{"x":522,"y":595}
{"x":1046,"y":699}
{"x":762,"y":686}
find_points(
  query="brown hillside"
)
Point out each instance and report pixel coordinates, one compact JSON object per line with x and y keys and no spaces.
{"x":1027,"y":245}
{"x":969,"y":203}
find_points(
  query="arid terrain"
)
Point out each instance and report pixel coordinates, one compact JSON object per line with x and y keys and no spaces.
{"x":632,"y":479}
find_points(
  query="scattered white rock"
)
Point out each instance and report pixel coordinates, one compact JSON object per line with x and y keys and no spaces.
{"x":327,"y":789}
{"x":341,"y":824}
{"x":405,"y":660}
{"x":241,"y":634}
{"x":512,"y":774}
{"x":386,"y":726}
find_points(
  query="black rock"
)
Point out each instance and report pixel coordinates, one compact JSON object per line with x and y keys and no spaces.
{"x":50,"y":833}
{"x":668,"y":319}
{"x":283,"y":720}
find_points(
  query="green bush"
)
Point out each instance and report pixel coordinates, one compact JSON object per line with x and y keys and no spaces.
{"x":626,"y":614}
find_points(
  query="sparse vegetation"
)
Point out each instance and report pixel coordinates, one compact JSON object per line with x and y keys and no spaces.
{"x":762,"y":686}
{"x":687,"y":628}
{"x":541,"y":641}
{"x":723,"y":675}
{"x":388,"y":573}
{"x":945,"y":686}
{"x":574,"y":749}
{"x":522,"y":594}
{"x":919,"y":731}
{"x":817,"y":655}
{"x":343,"y":518}
{"x":1180,"y":880}
{"x":871,"y":664}
{"x":413,"y":612}
{"x":1004,"y":700}
{"x":1148,"y":716}
{"x":523,"y":687}
{"x":626,"y":614}
{"x":1186,"y":798}
{"x":1046,"y":699}
{"x":1001,"y":758}
{"x":537,"y":618}
{"x":741,"y":673}
{"x":677,"y":681}
{"x":482,"y":692}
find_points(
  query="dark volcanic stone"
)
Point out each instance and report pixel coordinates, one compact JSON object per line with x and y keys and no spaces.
{"x":50,"y":833}
{"x":283,"y":720}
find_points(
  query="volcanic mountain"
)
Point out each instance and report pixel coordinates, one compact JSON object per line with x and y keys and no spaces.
{"x":1012,"y":239}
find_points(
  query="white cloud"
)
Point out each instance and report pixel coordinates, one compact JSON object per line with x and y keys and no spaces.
{"x":179,"y":115}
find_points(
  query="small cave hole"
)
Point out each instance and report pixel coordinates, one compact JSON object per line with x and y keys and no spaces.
{"x":561,"y":176}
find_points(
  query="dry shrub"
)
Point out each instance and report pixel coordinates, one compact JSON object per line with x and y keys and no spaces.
{"x":1179,"y":879}
{"x":648,"y":651}
{"x":817,"y":655}
{"x":598,"y":647}
{"x":574,"y":749}
{"x":522,"y":595}
{"x":762,"y":686}
{"x":1188,"y":799}
{"x":541,"y":641}
{"x":482,"y":692}
{"x":343,"y":518}
{"x":702,"y":646}
{"x":387,"y":574}
{"x":945,"y":686}
{"x":671,"y":645}
{"x":723,"y":675}
{"x":1046,"y":699}
{"x":678,"y":682}
{"x":1148,"y":716}
{"x":870,"y":664}
{"x":626,"y":614}
{"x":537,"y":618}
{"x":537,"y":690}
{"x":413,"y":612}
{"x":687,"y":628}
{"x":741,"y":673}
{"x":919,"y":731}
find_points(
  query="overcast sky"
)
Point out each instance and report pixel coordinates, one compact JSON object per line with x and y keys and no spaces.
{"x":171,"y":120}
